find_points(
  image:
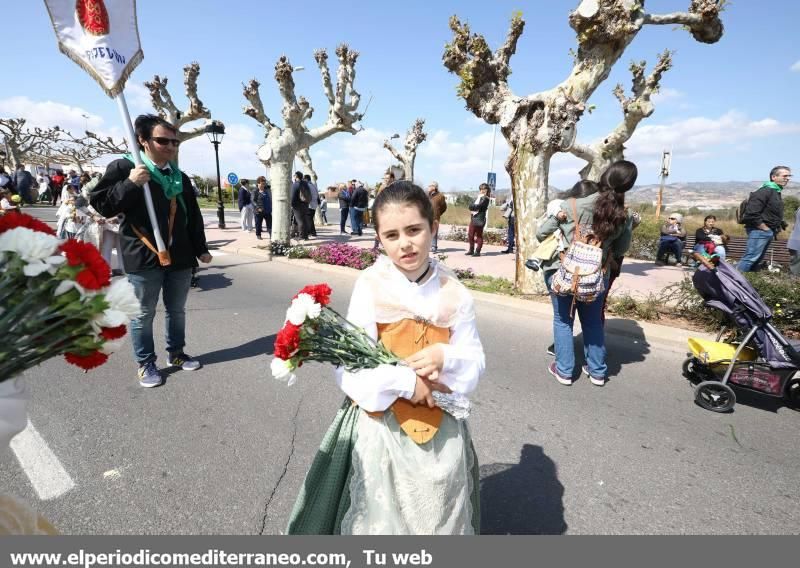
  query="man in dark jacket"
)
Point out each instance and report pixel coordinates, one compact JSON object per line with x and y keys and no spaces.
{"x":358,"y":206}
{"x":23,"y":182}
{"x":345,"y":196}
{"x":300,"y":199}
{"x":263,"y":206}
{"x":763,"y":218}
{"x":121,"y":190}
{"x":245,"y":202}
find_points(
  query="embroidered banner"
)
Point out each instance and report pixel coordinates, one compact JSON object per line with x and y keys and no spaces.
{"x":101,"y":36}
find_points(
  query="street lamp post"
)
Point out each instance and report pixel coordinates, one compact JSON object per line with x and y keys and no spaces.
{"x":215,"y":132}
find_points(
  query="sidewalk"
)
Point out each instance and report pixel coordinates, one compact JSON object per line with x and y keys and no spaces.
{"x":639,"y":277}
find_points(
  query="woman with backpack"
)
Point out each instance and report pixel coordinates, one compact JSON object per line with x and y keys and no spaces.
{"x":597,"y":229}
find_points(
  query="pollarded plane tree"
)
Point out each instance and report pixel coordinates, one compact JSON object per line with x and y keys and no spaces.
{"x":79,"y":151}
{"x":166,"y":108}
{"x":414,"y":137}
{"x":541,"y":124}
{"x":283,"y":143}
{"x":304,"y":156}
{"x":602,"y":153}
{"x":25,"y":145}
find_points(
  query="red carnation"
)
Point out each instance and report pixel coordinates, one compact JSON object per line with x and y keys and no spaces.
{"x":287,"y":341}
{"x":112,"y":333}
{"x":96,"y":273}
{"x":320,"y":292}
{"x":86,"y":362}
{"x":8,"y":222}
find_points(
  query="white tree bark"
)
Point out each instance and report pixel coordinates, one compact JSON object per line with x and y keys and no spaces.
{"x":414,"y":137}
{"x":282,"y":144}
{"x":611,"y":148}
{"x":166,"y":108}
{"x":544,"y":123}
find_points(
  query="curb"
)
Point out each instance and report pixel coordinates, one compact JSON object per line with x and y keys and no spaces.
{"x":667,"y":338}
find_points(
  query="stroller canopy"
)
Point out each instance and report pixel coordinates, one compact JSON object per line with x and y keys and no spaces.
{"x":726,"y":287}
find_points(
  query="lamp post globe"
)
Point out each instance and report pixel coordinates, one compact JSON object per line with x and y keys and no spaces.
{"x":215,"y":130}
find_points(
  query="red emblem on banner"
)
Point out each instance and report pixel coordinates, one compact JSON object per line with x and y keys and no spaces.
{"x":93,"y":16}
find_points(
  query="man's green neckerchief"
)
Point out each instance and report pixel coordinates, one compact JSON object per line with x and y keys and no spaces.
{"x":171,"y":183}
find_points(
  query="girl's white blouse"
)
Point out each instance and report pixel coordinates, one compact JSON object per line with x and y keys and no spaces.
{"x":376,"y":389}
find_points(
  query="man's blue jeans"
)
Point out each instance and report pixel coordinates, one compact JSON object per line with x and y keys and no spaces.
{"x":667,"y":247}
{"x":147,"y":285}
{"x":357,"y":220}
{"x":343,"y":213}
{"x":594,"y":339}
{"x":757,"y":243}
{"x":510,"y":237}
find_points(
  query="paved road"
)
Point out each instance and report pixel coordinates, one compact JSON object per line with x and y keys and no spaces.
{"x":225,"y":449}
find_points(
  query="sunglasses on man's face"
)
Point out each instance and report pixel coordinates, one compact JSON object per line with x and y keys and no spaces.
{"x":162,"y":141}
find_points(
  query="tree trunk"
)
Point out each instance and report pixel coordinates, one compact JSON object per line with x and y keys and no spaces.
{"x":280,"y":178}
{"x":408,"y":166}
{"x":529,"y":177}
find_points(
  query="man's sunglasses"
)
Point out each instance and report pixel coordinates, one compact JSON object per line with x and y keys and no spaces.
{"x":160,"y":140}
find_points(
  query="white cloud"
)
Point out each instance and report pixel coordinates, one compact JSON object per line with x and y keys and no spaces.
{"x":666,"y":94}
{"x":237,"y":153}
{"x":46,"y":114}
{"x":138,"y":98}
{"x":796,"y":66}
{"x":699,"y":136}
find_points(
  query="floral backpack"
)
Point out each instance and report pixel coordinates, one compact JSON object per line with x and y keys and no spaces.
{"x":581,"y":274}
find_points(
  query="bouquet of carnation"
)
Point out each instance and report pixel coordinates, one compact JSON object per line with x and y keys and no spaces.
{"x":56,"y":298}
{"x":314,"y":331}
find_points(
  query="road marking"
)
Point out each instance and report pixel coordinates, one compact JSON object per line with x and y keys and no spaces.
{"x":45,"y":472}
{"x":216,"y":252}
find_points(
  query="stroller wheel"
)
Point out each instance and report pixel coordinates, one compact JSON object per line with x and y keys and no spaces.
{"x":688,"y":368}
{"x":793,"y":394}
{"x":714,"y":396}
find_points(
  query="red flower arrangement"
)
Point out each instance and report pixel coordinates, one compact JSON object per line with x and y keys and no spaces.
{"x":14,"y":220}
{"x":86,"y":362}
{"x":96,"y":273}
{"x":112,"y":333}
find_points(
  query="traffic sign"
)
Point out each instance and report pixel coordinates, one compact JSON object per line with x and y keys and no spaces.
{"x":491,"y":179}
{"x":233,"y":179}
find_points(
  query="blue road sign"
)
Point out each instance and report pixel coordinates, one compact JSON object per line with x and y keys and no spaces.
{"x":233,"y":179}
{"x":491,"y":179}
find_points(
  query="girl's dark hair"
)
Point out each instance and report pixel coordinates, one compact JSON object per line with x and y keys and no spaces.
{"x":403,"y":193}
{"x":146,"y":123}
{"x":609,"y":209}
{"x":583,"y":188}
{"x":709,"y":217}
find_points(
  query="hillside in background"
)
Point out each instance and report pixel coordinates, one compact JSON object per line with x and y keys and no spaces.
{"x":705,"y":195}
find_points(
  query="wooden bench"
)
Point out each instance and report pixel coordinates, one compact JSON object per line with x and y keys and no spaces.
{"x":777,"y":253}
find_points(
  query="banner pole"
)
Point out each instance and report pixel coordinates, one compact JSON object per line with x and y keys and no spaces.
{"x":133,"y":144}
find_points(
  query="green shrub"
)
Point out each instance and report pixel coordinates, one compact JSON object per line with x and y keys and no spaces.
{"x":299,"y":251}
{"x":778,"y":291}
{"x":491,"y":284}
{"x":625,"y":305}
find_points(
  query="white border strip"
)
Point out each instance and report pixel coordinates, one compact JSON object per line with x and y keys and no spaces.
{"x":46,"y":474}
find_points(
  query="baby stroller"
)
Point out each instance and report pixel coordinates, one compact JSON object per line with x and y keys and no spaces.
{"x":752,"y":355}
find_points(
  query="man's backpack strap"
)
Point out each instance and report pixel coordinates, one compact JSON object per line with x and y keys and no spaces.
{"x":163,"y":258}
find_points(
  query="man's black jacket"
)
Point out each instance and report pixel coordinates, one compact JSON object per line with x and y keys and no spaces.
{"x":764,"y":206}
{"x":115,"y":194}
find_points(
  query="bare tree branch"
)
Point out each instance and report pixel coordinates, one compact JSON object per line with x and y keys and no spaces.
{"x":25,"y":144}
{"x":414,"y":137}
{"x":165,"y":106}
{"x":256,"y":108}
{"x":702,"y":20}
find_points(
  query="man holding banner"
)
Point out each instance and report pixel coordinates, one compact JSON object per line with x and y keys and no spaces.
{"x":103,"y":39}
{"x":178,"y":217}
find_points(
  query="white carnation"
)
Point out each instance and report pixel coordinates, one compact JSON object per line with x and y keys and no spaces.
{"x":30,"y":245}
{"x":303,"y":306}
{"x":282,"y":370}
{"x":123,"y":305}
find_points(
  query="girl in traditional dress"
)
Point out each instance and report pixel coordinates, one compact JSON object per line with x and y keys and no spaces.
{"x":393,"y":462}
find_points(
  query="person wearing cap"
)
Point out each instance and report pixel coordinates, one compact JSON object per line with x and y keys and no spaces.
{"x":673,"y":237}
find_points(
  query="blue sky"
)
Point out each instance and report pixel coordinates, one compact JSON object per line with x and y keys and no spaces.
{"x":725,"y":109}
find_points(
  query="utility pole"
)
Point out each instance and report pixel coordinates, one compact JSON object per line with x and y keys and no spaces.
{"x":666,"y":161}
